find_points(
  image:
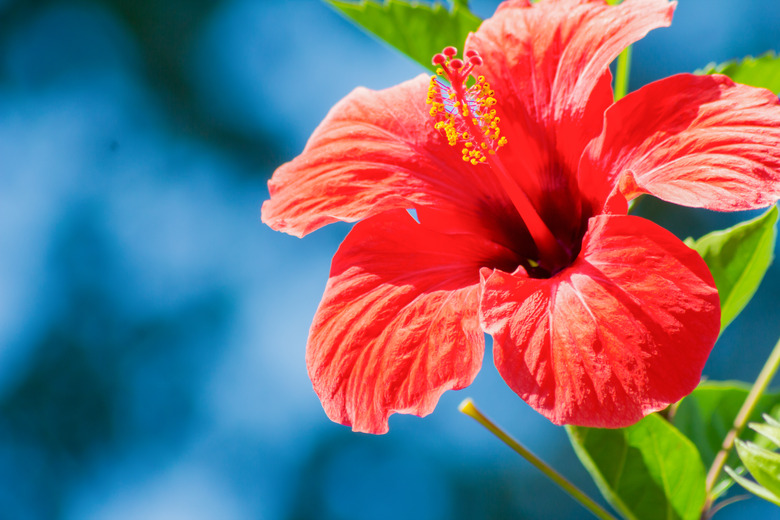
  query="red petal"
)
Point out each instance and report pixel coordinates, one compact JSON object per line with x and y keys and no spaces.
{"x":398,"y":324}
{"x":700,"y":141}
{"x":548,"y":64}
{"x":373,"y":152}
{"x":622,"y":332}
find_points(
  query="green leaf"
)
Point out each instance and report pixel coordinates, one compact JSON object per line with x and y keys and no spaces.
{"x":770,"y":431}
{"x":646,"y":471}
{"x":753,"y":487}
{"x":771,"y":420}
{"x":708,"y":413}
{"x":738,"y":258}
{"x":763,"y":465}
{"x":763,"y":71}
{"x":417,"y":30}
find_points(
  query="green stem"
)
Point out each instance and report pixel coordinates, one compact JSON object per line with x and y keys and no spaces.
{"x":622,"y":73}
{"x":761,"y":384}
{"x":468,"y":408}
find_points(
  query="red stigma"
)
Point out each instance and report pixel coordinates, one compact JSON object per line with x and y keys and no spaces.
{"x":456,"y":70}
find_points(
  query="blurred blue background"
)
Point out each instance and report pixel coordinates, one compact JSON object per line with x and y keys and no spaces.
{"x":153,"y":330}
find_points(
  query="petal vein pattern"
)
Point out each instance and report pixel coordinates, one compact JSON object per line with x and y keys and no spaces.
{"x":700,"y":141}
{"x":375,"y":151}
{"x":598,"y":318}
{"x":398,"y":324}
{"x":548,"y":63}
{"x":624,"y":331}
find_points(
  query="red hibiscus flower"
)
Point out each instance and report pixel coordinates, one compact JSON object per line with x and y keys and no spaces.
{"x":520,"y":180}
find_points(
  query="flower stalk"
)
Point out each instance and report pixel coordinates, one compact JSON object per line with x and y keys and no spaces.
{"x":759,"y":387}
{"x":467,"y":407}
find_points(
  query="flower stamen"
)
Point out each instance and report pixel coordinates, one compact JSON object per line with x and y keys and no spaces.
{"x":466,"y":115}
{"x":463,"y":112}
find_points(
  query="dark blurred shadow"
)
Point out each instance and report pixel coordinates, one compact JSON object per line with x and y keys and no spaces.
{"x":101,"y":380}
{"x":165,"y":33}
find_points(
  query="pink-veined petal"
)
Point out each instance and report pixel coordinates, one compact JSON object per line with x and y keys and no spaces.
{"x":398,"y":324}
{"x":701,"y":141}
{"x":622,"y":332}
{"x":374,"y":151}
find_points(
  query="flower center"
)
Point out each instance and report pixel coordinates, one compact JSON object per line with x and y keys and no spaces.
{"x":466,"y":115}
{"x":465,"y":112}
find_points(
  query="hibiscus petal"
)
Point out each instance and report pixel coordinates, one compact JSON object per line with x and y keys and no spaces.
{"x":622,"y":332}
{"x":548,"y":64}
{"x":398,"y":323}
{"x":374,"y":151}
{"x":700,"y":141}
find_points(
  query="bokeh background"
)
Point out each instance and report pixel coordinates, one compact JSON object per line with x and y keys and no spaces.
{"x":152,"y":330}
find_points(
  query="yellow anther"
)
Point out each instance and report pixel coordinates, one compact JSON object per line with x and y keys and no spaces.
{"x":464,"y":114}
